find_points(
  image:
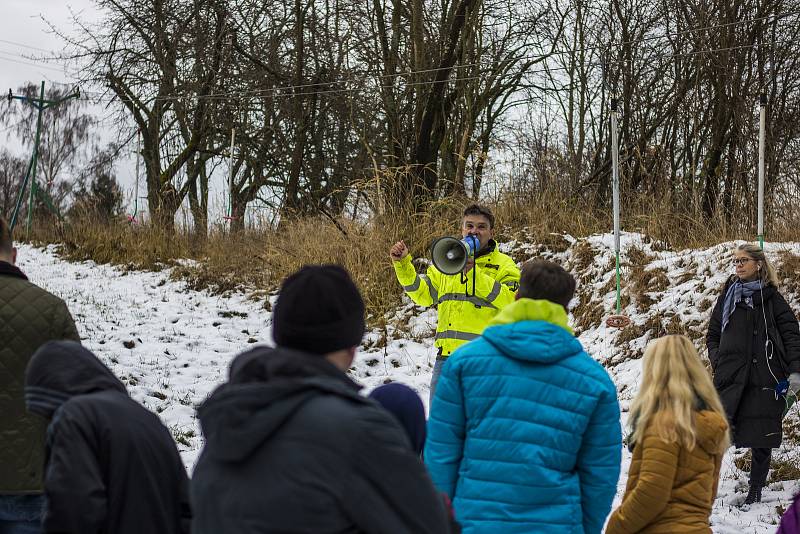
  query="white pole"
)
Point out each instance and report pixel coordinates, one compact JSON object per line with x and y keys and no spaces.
{"x":138,"y":156}
{"x":230,"y":175}
{"x":615,"y":172}
{"x":762,"y":127}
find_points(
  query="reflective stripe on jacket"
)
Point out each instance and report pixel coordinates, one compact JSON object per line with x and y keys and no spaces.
{"x":462,"y":317}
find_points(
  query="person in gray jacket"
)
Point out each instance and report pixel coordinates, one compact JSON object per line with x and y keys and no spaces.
{"x":291,"y":445}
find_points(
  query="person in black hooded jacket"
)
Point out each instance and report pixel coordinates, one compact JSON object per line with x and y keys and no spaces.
{"x":111,"y":465}
{"x":753,"y":345}
{"x":292,"y":447}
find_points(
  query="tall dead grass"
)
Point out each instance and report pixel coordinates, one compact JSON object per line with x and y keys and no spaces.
{"x":258,"y":260}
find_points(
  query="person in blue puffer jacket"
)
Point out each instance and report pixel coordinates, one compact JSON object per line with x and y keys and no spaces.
{"x":524,"y":431}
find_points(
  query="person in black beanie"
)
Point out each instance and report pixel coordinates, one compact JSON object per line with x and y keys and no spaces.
{"x":291,"y":445}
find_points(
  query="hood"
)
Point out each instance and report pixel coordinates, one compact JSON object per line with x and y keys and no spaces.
{"x":533,"y":330}
{"x":60,"y":370}
{"x":404,"y":403}
{"x":266,"y":388}
{"x":711,"y":428}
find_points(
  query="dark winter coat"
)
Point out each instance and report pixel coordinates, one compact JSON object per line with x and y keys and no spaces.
{"x":292,"y":447}
{"x":112,"y":467}
{"x":29,"y":317}
{"x":743,"y":371}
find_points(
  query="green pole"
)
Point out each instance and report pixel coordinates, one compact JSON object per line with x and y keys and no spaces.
{"x":21,"y":196}
{"x":619,"y":301}
{"x":40,"y":106}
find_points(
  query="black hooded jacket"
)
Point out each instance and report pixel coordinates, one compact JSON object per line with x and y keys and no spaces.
{"x":292,"y":447}
{"x":111,"y":465}
{"x":744,"y":374}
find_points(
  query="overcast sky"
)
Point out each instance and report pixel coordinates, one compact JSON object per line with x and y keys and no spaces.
{"x":24,"y":39}
{"x":23,"y":36}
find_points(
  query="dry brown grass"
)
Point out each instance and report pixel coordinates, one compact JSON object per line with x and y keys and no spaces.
{"x":743,"y":462}
{"x":783,"y":470}
{"x":587,"y":314}
{"x":582,"y":256}
{"x":789,"y":271}
{"x":260,"y":260}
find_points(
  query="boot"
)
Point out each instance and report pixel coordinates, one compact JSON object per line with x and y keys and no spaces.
{"x":754,"y":495}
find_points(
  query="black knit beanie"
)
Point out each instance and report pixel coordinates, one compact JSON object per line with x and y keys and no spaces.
{"x":319,"y":310}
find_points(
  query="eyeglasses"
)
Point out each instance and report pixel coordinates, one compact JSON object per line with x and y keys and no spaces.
{"x":742,"y":261}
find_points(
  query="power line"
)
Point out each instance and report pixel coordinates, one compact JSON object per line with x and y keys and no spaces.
{"x":22,"y":45}
{"x":680,"y":33}
{"x":477,"y":64}
{"x":276,"y":92}
{"x":38,"y":65}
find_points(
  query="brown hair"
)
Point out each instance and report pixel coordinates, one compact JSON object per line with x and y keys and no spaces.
{"x":6,"y":244}
{"x":545,"y":280}
{"x":480,"y":209}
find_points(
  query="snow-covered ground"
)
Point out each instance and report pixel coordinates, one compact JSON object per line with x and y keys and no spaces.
{"x":171,"y":346}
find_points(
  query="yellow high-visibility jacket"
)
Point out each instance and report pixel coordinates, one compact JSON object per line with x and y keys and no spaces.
{"x":462,"y":317}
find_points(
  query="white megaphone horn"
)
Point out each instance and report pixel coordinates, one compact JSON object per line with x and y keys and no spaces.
{"x":450,"y":255}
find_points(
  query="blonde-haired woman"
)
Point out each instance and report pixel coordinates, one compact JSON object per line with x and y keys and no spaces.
{"x":679,"y":434}
{"x":754,"y":345}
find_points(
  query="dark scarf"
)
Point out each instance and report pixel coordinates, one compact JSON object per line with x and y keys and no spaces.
{"x":737,"y":292}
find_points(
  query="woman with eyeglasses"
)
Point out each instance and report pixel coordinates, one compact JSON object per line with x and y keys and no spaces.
{"x":754,"y":347}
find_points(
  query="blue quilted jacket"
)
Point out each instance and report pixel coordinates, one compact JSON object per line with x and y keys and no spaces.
{"x":524,"y":432}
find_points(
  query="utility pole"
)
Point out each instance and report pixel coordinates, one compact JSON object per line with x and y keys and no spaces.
{"x":40,"y":104}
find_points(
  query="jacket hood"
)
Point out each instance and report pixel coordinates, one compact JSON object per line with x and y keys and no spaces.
{"x":60,"y":370}
{"x":533,"y":330}
{"x":266,"y":388}
{"x":404,"y":403}
{"x":711,"y":428}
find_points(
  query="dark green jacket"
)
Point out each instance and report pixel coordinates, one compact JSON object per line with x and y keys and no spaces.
{"x":29,"y":317}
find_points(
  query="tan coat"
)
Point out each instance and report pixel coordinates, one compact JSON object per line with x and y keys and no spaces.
{"x":671,"y":489}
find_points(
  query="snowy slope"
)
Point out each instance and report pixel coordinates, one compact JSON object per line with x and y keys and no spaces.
{"x":171,"y":346}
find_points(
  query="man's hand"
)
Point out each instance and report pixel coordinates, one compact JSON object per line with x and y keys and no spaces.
{"x":398,"y":251}
{"x":470,"y":264}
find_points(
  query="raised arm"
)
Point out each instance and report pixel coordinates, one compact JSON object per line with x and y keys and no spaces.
{"x":421,"y":288}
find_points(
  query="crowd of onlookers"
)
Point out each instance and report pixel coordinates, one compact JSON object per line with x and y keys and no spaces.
{"x":523,"y":435}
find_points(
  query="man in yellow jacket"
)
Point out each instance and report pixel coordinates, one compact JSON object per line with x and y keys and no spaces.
{"x":462,"y":316}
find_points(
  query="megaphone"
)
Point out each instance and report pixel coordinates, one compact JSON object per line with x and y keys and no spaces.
{"x":450,"y":255}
